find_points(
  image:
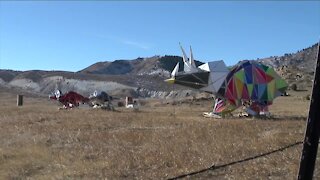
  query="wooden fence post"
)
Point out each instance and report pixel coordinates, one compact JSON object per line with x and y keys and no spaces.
{"x":311,"y":140}
{"x":19,"y":100}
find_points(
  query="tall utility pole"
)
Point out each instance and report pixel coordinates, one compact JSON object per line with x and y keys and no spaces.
{"x":311,"y":140}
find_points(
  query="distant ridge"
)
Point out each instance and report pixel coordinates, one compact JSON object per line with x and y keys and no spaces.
{"x":140,"y":66}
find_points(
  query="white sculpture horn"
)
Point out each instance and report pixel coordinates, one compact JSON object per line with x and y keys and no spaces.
{"x":192,"y":63}
{"x":175,"y":70}
{"x":187,"y":65}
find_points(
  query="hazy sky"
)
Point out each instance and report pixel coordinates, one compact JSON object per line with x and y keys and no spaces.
{"x":71,"y":35}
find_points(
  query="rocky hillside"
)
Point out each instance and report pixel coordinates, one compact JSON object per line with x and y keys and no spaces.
{"x":45,"y":82}
{"x":144,"y":77}
{"x":303,"y":60}
{"x":297,"y":68}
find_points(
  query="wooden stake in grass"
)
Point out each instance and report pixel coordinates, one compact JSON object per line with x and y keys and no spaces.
{"x":19,"y":100}
{"x":311,"y":140}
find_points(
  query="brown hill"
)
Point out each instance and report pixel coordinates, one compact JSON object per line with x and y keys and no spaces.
{"x":156,"y":65}
{"x":122,"y":67}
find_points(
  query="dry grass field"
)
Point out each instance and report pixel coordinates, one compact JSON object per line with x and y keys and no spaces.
{"x":38,"y":141}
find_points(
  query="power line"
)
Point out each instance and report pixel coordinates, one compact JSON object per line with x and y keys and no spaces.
{"x":236,"y":162}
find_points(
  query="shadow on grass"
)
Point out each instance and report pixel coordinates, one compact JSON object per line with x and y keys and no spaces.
{"x":301,"y":118}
